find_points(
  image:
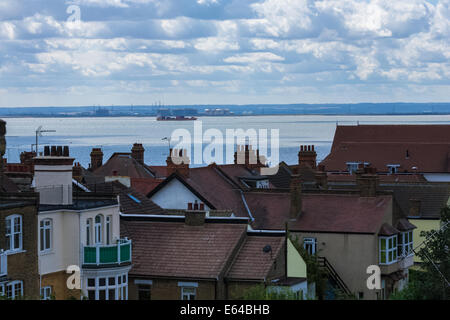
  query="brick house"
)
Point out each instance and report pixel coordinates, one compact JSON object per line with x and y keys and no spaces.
{"x":192,"y":257}
{"x":19,"y":273}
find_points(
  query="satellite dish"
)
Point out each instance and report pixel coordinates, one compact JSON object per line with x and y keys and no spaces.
{"x":267,"y":249}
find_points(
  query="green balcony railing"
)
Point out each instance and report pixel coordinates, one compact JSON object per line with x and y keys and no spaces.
{"x":108,"y":254}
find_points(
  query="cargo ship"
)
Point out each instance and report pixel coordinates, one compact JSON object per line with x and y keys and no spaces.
{"x":175,"y":118}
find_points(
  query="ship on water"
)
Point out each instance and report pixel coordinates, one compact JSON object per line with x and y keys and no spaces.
{"x":167,"y":114}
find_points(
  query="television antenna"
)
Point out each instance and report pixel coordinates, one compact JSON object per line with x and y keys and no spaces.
{"x":39,"y":132}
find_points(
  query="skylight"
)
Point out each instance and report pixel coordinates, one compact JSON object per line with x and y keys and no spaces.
{"x":134,"y":198}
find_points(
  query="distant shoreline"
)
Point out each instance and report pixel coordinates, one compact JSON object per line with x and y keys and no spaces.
{"x":230,"y":116}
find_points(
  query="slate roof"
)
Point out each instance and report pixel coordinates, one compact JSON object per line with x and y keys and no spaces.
{"x":252,"y":263}
{"x":426,"y":147}
{"x":174,"y":249}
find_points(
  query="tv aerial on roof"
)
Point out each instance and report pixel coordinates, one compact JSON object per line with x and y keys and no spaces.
{"x":39,"y":132}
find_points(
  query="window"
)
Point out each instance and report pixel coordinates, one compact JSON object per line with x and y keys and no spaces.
{"x":188,"y":293}
{"x":46,"y":293}
{"x":405,"y":244}
{"x":393,"y":168}
{"x":2,"y":290}
{"x":98,"y":229}
{"x":14,"y":233}
{"x":88,"y":232}
{"x":144,"y":292}
{"x":14,"y":290}
{"x":108,"y":230}
{"x":45,"y":231}
{"x":309,"y":244}
{"x":388,"y":249}
{"x":360,"y":295}
{"x":107,"y":288}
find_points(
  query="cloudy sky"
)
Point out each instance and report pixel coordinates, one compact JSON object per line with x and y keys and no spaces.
{"x":123,"y":52}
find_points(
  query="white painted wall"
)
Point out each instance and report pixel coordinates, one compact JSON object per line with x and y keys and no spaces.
{"x":175,"y":195}
{"x":69,"y":235}
{"x":54,"y":183}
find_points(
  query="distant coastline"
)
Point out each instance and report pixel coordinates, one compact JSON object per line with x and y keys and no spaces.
{"x":397,"y":108}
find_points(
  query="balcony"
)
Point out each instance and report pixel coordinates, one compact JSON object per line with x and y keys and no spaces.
{"x":3,"y":263}
{"x":107,"y":255}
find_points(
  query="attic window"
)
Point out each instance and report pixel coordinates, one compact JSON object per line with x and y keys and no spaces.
{"x":393,"y":168}
{"x":134,"y":198}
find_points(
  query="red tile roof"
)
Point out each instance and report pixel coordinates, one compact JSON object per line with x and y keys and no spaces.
{"x":343,"y":213}
{"x":426,"y":147}
{"x":123,"y":164}
{"x":173,"y":249}
{"x":252,"y":263}
{"x":145,"y":185}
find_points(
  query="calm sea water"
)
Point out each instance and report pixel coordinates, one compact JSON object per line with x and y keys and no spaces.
{"x":119,"y":134}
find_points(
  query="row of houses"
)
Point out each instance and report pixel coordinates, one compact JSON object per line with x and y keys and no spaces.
{"x":138,"y":231}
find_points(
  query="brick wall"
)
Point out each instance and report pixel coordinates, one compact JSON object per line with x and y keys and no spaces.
{"x":168,"y":289}
{"x":58,"y":282}
{"x":23,"y":265}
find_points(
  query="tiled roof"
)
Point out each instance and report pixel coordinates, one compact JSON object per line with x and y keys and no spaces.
{"x":426,"y":147}
{"x":6,"y":184}
{"x":174,"y":249}
{"x":159,"y":171}
{"x":387,"y":230}
{"x":343,"y":213}
{"x":252,"y":263}
{"x":433,"y":197}
{"x":123,"y":164}
{"x":133,"y":202}
{"x":145,"y":185}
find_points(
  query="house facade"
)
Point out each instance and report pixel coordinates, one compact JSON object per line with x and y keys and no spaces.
{"x":78,"y":235}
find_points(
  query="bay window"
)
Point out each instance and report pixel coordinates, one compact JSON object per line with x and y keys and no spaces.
{"x":405,"y":243}
{"x":388,"y":249}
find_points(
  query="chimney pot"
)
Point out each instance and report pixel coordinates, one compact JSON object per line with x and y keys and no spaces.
{"x":53,"y":152}
{"x":202,"y":206}
{"x":46,"y":150}
{"x":59,"y":151}
{"x":189,"y":205}
{"x":66,"y":151}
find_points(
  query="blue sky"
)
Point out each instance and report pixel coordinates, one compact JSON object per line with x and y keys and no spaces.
{"x":124,"y":52}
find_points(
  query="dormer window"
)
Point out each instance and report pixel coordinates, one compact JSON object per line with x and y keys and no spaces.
{"x":393,"y":168}
{"x":353,"y":166}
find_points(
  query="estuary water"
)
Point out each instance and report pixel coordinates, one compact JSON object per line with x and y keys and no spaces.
{"x":118,"y":134}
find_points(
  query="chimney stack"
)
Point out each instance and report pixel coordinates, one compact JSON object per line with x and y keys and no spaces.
{"x":195,"y":218}
{"x":296,"y":197}
{"x":321,"y":177}
{"x":414,"y":207}
{"x":249,"y":157}
{"x":96,"y":158}
{"x":307,"y":156}
{"x":137,"y":152}
{"x":178,"y":161}
{"x":367,"y":182}
{"x":53,"y":174}
{"x":76,"y":172}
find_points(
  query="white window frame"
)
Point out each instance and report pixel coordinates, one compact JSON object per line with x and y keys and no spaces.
{"x":46,"y":293}
{"x":43,"y":228}
{"x":2,"y":289}
{"x":190,"y":293}
{"x":11,"y":223}
{"x":405,"y":244}
{"x":108,"y":230}
{"x":393,"y":168}
{"x":388,"y":249}
{"x":120,"y":287}
{"x":14,"y":284}
{"x":89,"y":232}
{"x":312,"y":242}
{"x":98,"y":230}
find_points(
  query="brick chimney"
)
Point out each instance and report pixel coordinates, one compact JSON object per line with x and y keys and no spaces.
{"x":414,"y":207}
{"x":321,"y":177}
{"x":307,"y":156}
{"x":96,"y":158}
{"x":178,"y":161}
{"x":249,"y":157}
{"x":296,"y":197}
{"x":53,"y":176}
{"x":195,"y":218}
{"x":137,"y":152}
{"x":367,"y":182}
{"x":77,"y":172}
